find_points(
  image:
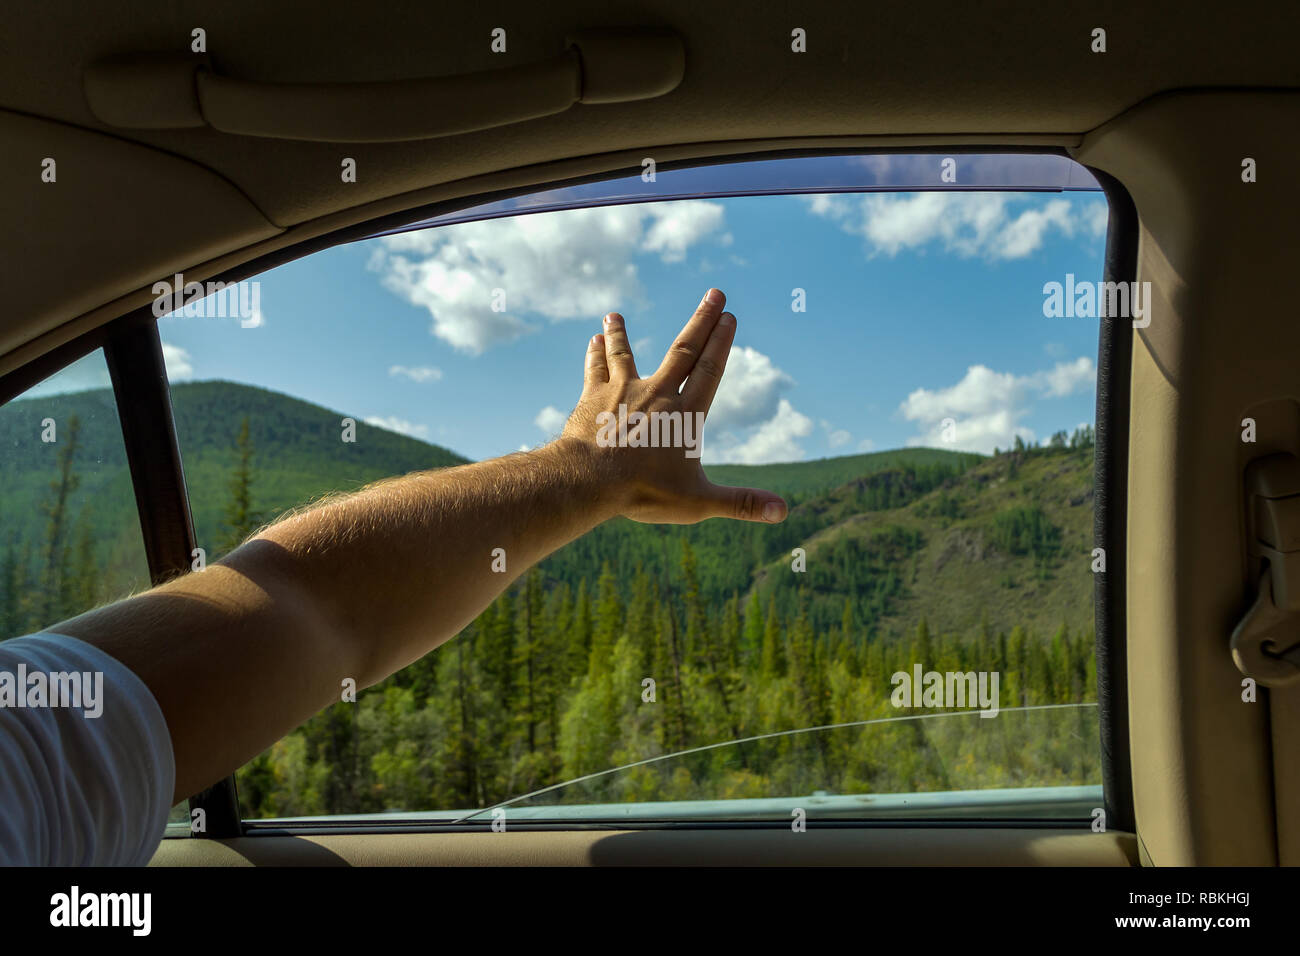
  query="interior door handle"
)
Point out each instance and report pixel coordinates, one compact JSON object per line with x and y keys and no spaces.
{"x":1266,"y":642}
{"x":162,"y":91}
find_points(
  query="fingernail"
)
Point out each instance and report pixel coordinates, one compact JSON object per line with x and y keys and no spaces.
{"x":611,"y":321}
{"x":774,"y":511}
{"x":726,"y":319}
{"x":713,"y":297}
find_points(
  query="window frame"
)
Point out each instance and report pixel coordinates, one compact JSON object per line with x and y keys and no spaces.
{"x":133,"y":350}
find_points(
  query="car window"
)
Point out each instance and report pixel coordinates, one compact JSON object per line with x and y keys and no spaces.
{"x":915,"y":370}
{"x":71,"y":538}
{"x":72,"y":535}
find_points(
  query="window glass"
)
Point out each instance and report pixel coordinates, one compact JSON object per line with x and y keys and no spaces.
{"x":914,"y":370}
{"x":71,"y":536}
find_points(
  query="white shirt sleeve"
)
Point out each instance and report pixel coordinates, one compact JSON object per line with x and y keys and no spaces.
{"x":87,"y":785}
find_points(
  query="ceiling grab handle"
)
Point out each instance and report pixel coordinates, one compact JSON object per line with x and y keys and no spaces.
{"x":1266,"y":642}
{"x":157,"y":91}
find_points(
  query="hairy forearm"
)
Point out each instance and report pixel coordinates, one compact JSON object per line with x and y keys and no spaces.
{"x":404,"y":565}
{"x":357,"y":587}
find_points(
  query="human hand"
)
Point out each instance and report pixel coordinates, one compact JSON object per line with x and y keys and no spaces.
{"x":648,"y":454}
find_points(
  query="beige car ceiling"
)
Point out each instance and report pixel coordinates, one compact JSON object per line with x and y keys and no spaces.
{"x":119,"y":218}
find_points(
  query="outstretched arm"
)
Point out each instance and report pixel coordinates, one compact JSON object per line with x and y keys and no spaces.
{"x":361,"y":586}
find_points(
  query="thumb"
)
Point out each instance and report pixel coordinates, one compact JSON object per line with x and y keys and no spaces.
{"x":746,"y":504}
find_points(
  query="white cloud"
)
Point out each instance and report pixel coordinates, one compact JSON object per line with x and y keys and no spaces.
{"x":551,"y":420}
{"x":561,"y":265}
{"x":399,"y":425}
{"x":1024,"y":234}
{"x":829,"y":205}
{"x":987,"y":407}
{"x":749,"y":389}
{"x":1097,"y":218}
{"x":417,"y":373}
{"x":982,"y":390}
{"x":866,"y":445}
{"x":773,"y":440}
{"x":984,"y":224}
{"x":751,"y":422}
{"x":835,"y":437}
{"x":1068,"y":377}
{"x":672,"y":231}
{"x":177,"y":361}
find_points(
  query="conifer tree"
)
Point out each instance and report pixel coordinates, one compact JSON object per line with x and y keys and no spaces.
{"x":241,"y":519}
{"x":773,"y":662}
{"x":57,"y":553}
{"x":579,"y":641}
{"x":752,"y":644}
{"x":13,"y":584}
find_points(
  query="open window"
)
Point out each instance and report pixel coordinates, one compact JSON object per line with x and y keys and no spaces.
{"x":916,"y":371}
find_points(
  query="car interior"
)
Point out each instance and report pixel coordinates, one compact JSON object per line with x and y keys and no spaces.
{"x":218,"y":143}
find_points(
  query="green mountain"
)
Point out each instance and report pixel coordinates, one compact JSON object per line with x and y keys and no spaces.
{"x":804,"y":478}
{"x":1007,"y":542}
{"x":298,"y":455}
{"x":297,"y":447}
{"x":70,"y":536}
{"x":898,"y":535}
{"x":958,"y":540}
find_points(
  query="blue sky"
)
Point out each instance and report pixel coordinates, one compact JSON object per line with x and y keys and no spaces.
{"x":919,"y":307}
